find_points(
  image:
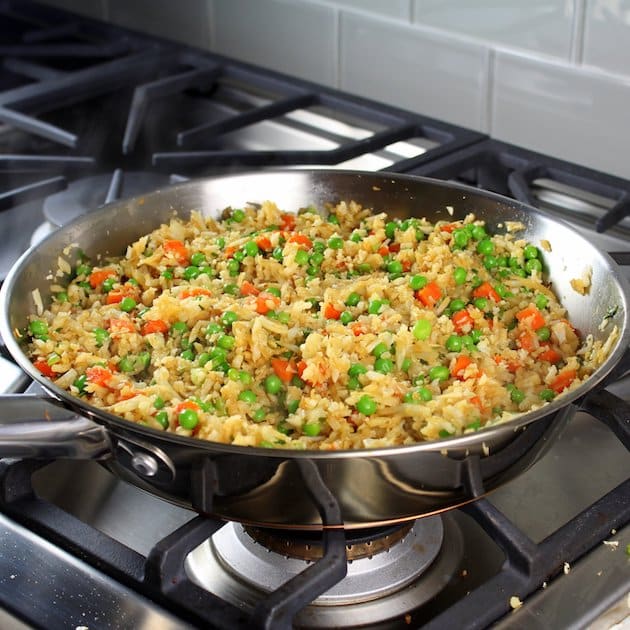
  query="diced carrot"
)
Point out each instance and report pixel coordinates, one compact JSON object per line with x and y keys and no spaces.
{"x":330,"y":312}
{"x":449,"y":227}
{"x":284,"y":369}
{"x":118,"y":326}
{"x":288,"y":222}
{"x":406,"y":265}
{"x":247,"y":288}
{"x":263,"y":300}
{"x":126,"y":393}
{"x":264,"y":243}
{"x":551,"y":355}
{"x":177,"y":249}
{"x":301,"y":366}
{"x":230,"y":251}
{"x":429,"y":294}
{"x":97,"y":278}
{"x":302,"y":239}
{"x":487,"y":291}
{"x":154,"y":326}
{"x":475,"y":400}
{"x":563,"y":380}
{"x":462,"y":321}
{"x":394,"y":248}
{"x":510,"y":364}
{"x":384,"y":250}
{"x":460,"y":365}
{"x":532,"y":317}
{"x":186,"y":404}
{"x":526,"y":340}
{"x":98,"y":375}
{"x":116,"y":295}
{"x":357,"y":328}
{"x":194,"y":292}
{"x":44,"y":368}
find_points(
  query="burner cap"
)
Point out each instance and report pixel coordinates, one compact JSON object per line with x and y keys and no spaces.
{"x":88,"y":193}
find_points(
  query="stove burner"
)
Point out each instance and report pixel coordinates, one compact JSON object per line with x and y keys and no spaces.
{"x":382,"y":587}
{"x":88,"y":193}
{"x":306,"y":546}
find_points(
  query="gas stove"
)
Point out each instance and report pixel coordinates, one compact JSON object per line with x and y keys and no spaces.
{"x":90,"y":113}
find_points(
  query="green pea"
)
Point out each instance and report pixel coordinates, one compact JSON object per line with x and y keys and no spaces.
{"x":481,"y":303}
{"x":374,"y":306}
{"x":475,"y":335}
{"x":233,"y":267}
{"x":127,"y":304}
{"x":439,"y":373}
{"x":476,"y":281}
{"x":533,"y":264}
{"x":346,"y":317}
{"x":212,"y":328}
{"x":517,"y":396}
{"x":530,"y":252}
{"x":459,"y":275}
{"x":454,"y":344}
{"x":478,"y":232}
{"x":379,"y":349}
{"x":228,"y":318}
{"x":162,"y":419}
{"x":226,"y":342}
{"x":547,"y":395}
{"x":238,"y":215}
{"x":422,"y":329}
{"x":100,"y":336}
{"x":191,"y":272}
{"x":80,"y":383}
{"x":247,"y":396}
{"x":179,"y":327}
{"x":273,"y":384}
{"x":390,"y":229}
{"x":301,"y":257}
{"x":457,"y":305}
{"x":278,"y":254}
{"x":188,"y":419}
{"x":316,"y":259}
{"x":251,"y":248}
{"x":62,"y":296}
{"x":203,"y":358}
{"x":335,"y":242}
{"x":231,"y":289}
{"x":366,"y":405}
{"x":38,"y":328}
{"x":541,"y":301}
{"x":108,"y":284}
{"x":188,"y":354}
{"x":353,"y":299}
{"x":460,"y":238}
{"x":198,"y":259}
{"x":217,"y":353}
{"x":467,"y":342}
{"x":220,"y":365}
{"x":259,"y":415}
{"x":364,"y":268}
{"x":425,"y":394}
{"x":220,"y":242}
{"x":356,"y":369}
{"x":274,"y":291}
{"x":489,"y":261}
{"x":83,"y":270}
{"x":417,"y":282}
{"x":354,"y":383}
{"x":126,"y":364}
{"x":356,"y":237}
{"x":502,"y":291}
{"x":292,"y":405}
{"x":474,"y":426}
{"x":406,"y":364}
{"x":420,"y":235}
{"x":283,"y":317}
{"x":485,"y":247}
{"x":311,"y":429}
{"x":544,"y":333}
{"x":394,"y":267}
{"x":159,"y":403}
{"x":384,"y":366}
{"x":168,"y":274}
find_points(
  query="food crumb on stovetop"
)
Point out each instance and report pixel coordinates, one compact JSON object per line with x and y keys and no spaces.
{"x":566,"y":568}
{"x":515,"y":602}
{"x":408,"y":619}
{"x":611,"y":544}
{"x":582,"y":284}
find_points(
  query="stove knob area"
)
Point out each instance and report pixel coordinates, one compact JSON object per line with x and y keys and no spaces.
{"x":147,"y":461}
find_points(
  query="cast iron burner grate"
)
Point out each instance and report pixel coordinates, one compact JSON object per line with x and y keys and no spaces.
{"x":161,"y":574}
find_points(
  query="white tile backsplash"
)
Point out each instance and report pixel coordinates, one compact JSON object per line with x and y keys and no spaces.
{"x":542,"y":26}
{"x":417,"y":69}
{"x":562,"y":110}
{"x":185,"y":21}
{"x":298,"y":38}
{"x":607,"y":35}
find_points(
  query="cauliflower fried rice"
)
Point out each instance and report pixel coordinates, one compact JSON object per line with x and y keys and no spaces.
{"x":329,"y":329}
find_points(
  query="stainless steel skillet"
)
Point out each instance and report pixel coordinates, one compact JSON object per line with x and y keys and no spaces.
{"x":360,"y":488}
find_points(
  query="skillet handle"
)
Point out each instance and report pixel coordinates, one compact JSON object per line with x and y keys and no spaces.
{"x":39,"y":427}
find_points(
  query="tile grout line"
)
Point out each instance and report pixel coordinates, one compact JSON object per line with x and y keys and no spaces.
{"x":576,"y":53}
{"x":337,"y":78}
{"x":489,"y":109}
